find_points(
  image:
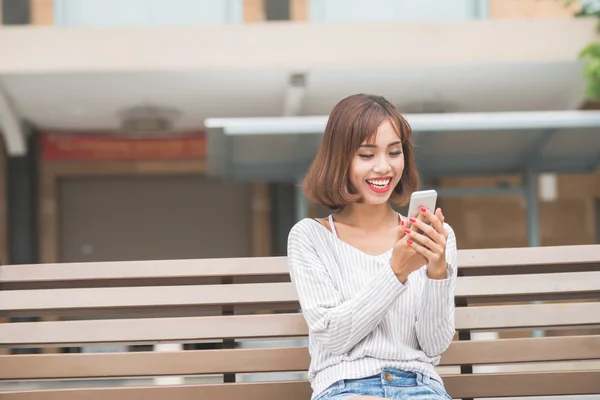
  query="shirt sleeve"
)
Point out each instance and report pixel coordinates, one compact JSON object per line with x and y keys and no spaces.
{"x":435,"y":319}
{"x":336,"y":323}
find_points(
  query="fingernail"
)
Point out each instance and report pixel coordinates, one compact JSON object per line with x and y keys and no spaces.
{"x":402,"y":222}
{"x":409,"y":241}
{"x":407,"y":230}
{"x":412,"y":220}
{"x":423,"y":209}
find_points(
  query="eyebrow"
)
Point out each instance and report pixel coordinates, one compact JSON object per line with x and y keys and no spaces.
{"x":374,"y":146}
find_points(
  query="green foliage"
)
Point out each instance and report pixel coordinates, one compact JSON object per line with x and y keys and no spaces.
{"x":588,"y":8}
{"x":591,"y":53}
{"x":588,"y":11}
{"x":591,"y":71}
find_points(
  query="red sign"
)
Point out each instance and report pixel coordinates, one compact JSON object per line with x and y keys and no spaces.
{"x":64,"y":147}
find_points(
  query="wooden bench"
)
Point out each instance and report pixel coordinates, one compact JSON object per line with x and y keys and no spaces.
{"x":193,"y":301}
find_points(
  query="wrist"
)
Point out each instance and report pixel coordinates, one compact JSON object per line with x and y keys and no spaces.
{"x":400,"y":272}
{"x":402,"y":277}
{"x":437,"y":272}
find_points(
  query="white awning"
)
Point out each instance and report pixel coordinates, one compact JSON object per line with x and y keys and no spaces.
{"x":450,"y":144}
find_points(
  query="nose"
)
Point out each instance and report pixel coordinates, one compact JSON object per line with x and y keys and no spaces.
{"x":381,"y":166}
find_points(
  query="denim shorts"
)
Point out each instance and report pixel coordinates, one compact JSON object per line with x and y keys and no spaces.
{"x":390,"y":384}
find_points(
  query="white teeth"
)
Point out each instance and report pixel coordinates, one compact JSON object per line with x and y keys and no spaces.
{"x":379,"y":183}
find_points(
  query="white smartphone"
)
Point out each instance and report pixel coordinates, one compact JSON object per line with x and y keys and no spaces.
{"x":427,"y":198}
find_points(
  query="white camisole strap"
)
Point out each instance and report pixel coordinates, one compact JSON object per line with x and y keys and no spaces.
{"x":331,"y":225}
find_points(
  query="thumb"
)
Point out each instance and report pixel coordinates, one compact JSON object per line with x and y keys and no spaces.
{"x":439,"y":215}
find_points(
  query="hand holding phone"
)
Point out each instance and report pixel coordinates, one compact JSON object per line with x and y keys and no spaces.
{"x":423,"y":198}
{"x":427,"y":234}
{"x":405,"y":258}
{"x":406,"y":255}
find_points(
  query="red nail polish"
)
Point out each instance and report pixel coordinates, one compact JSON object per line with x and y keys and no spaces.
{"x":412,"y":220}
{"x":409,"y":241}
{"x":407,"y":230}
{"x":423,"y":209}
{"x":402,"y":222}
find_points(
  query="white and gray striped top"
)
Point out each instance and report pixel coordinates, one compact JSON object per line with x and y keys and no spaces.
{"x":360,"y":317}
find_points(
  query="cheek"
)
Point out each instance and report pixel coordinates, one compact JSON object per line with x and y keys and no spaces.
{"x":398,"y":164}
{"x":358,"y":172}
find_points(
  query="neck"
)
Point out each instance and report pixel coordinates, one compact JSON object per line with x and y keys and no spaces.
{"x":367,"y":216}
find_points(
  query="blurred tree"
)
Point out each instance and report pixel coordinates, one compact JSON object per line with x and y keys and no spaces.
{"x":588,"y":7}
{"x":591,"y":53}
{"x":591,"y":71}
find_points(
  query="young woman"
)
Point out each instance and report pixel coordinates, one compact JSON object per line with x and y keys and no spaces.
{"x":376,"y":290}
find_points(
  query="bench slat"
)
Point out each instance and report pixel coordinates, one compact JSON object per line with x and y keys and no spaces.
{"x":296,"y":390}
{"x":196,"y":362}
{"x":568,"y":348}
{"x":513,"y":317}
{"x":459,"y":386}
{"x":278,"y":295}
{"x":138,"y":273}
{"x":150,"y":330}
{"x":107,"y":300}
{"x":164,"y":272}
{"x":566,"y":285}
{"x":523,"y":384}
{"x":530,"y":260}
{"x":61,"y":366}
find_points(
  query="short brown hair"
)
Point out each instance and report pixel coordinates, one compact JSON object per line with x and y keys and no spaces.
{"x":352,"y":121}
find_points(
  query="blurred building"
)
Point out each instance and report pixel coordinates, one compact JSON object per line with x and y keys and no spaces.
{"x":103,"y":103}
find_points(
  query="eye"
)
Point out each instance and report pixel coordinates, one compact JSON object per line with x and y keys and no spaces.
{"x":396,"y":153}
{"x":366,"y":156}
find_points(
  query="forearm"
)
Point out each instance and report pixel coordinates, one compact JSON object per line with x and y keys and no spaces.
{"x":435,"y":320}
{"x":340,"y":328}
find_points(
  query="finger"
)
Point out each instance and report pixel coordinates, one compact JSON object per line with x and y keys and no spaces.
{"x":422,"y":227}
{"x":401,"y":233}
{"x":410,"y":243}
{"x":440,"y":215}
{"x":442,"y":219}
{"x":425,"y":241}
{"x":425,"y":252}
{"x":434,"y":220}
{"x":420,"y":217}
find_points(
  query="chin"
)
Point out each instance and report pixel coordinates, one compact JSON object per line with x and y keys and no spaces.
{"x":376,"y":197}
{"x":375,"y":200}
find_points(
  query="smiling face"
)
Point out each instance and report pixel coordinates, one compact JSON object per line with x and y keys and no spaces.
{"x":377,"y":166}
{"x":366,"y":156}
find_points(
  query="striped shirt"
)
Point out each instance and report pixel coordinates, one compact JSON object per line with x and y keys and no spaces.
{"x":360,"y":317}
